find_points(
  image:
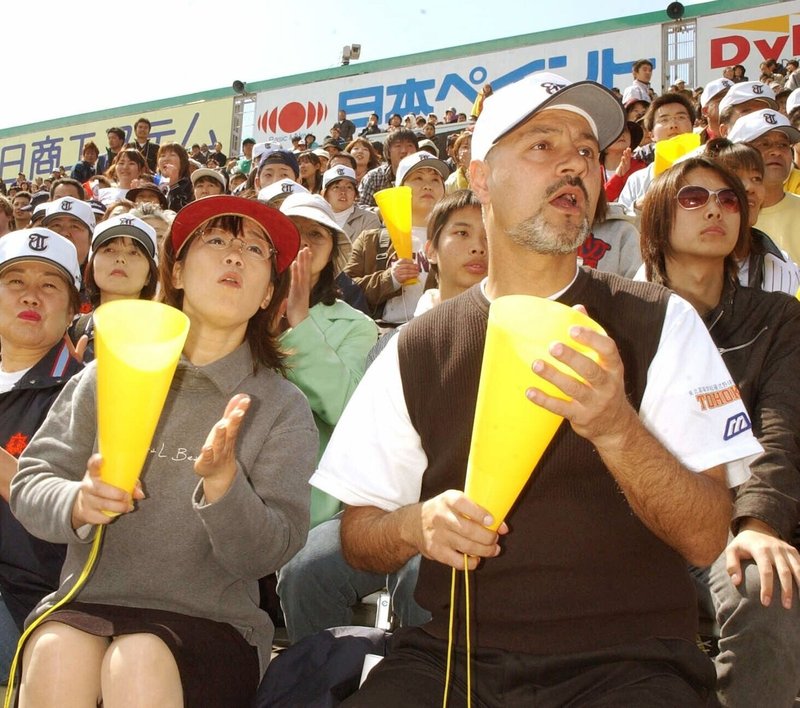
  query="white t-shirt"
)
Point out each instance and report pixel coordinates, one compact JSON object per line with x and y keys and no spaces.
{"x":9,"y":379}
{"x":375,"y":457}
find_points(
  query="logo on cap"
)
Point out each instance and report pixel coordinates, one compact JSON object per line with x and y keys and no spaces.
{"x":125,"y":221}
{"x":758,"y":88}
{"x":38,"y":242}
{"x":552,"y":88}
{"x":771,"y":118}
{"x":287,"y":188}
{"x":66,"y":205}
{"x":340,"y":172}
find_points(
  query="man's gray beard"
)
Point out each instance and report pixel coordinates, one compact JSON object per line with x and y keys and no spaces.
{"x":538,"y":236}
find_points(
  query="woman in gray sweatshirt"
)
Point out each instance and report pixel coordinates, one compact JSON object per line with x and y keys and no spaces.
{"x":170,"y":615}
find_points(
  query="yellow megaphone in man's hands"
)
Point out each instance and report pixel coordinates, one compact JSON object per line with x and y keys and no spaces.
{"x":395,"y":206}
{"x":510,"y":433}
{"x":668,"y":152}
{"x":137,"y":345}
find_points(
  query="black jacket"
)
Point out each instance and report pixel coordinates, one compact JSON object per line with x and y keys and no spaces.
{"x":29,"y":567}
{"x":758,"y":335}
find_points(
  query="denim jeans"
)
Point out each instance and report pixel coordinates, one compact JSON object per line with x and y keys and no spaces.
{"x":759,"y":647}
{"x":318,"y":588}
{"x":9,"y":636}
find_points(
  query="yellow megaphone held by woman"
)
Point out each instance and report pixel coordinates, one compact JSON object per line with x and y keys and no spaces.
{"x":137,"y":344}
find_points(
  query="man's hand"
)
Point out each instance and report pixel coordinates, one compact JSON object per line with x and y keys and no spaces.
{"x":756,"y":541}
{"x":598,"y":410}
{"x":624,"y":163}
{"x":449,"y":525}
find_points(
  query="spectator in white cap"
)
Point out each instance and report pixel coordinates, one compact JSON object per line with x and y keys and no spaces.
{"x":39,"y":279}
{"x":553,"y":628}
{"x":374,"y":264}
{"x":74,"y":220}
{"x":792,"y":106}
{"x":340,"y":190}
{"x":327,"y":340}
{"x":208,"y":183}
{"x":712,"y":95}
{"x":773,"y":135}
{"x":123,"y":264}
{"x":740,"y":100}
{"x":274,"y":194}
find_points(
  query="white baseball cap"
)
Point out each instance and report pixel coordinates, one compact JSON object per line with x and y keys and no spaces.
{"x":336,"y":174}
{"x":130,"y":226}
{"x":754,"y":125}
{"x":793,"y":101}
{"x":208,"y":172}
{"x":418,"y":161}
{"x":714,"y":88}
{"x":40,"y":244}
{"x":69,"y":206}
{"x":314,"y":207}
{"x":508,"y":108}
{"x":748,"y":91}
{"x":282,"y":186}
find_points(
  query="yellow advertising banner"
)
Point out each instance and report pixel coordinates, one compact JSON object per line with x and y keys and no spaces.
{"x":40,"y":152}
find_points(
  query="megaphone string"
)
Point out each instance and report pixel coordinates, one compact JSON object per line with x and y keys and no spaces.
{"x":453,"y":577}
{"x":81,"y":581}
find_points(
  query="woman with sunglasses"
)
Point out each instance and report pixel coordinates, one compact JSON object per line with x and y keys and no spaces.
{"x":170,"y":616}
{"x":695,"y":218}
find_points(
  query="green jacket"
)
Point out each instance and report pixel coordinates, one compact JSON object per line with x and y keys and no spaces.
{"x":327,"y":355}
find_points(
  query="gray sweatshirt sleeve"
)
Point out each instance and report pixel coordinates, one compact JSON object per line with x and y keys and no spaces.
{"x":50,"y":470}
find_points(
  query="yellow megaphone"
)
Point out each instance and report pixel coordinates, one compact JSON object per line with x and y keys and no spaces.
{"x":137,"y":345}
{"x":668,"y":152}
{"x":395,"y":206}
{"x":510,"y":433}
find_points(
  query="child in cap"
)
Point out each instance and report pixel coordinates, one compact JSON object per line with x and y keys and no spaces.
{"x":340,"y":190}
{"x":123,"y":264}
{"x":327,"y":339}
{"x":207,"y":183}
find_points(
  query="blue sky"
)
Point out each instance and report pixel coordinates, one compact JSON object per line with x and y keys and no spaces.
{"x":86,"y":58}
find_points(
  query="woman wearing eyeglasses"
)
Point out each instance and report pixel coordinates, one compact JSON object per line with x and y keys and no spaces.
{"x":695,"y":219}
{"x":170,"y":616}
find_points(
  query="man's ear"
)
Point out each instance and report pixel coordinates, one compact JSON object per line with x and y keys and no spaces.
{"x":478,"y":179}
{"x":430,"y":252}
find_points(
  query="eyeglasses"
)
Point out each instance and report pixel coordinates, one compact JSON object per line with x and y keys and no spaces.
{"x":695,"y":197}
{"x":222,"y":241}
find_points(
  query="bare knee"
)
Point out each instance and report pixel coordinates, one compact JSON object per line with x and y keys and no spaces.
{"x":139,"y":669}
{"x":61,"y":661}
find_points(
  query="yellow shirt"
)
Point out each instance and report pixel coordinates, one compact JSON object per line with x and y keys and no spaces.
{"x":792,"y":183}
{"x":781,"y":222}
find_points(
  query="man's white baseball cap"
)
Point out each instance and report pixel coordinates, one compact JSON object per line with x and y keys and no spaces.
{"x":511,"y":106}
{"x":748,"y":91}
{"x":754,"y":125}
{"x":714,"y":88}
{"x":69,"y":206}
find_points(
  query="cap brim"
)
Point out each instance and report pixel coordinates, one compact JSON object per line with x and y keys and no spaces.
{"x":131,"y":232}
{"x":39,"y":259}
{"x":596,"y":100}
{"x":433,"y":163}
{"x":282,"y":232}
{"x":133,"y":193}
